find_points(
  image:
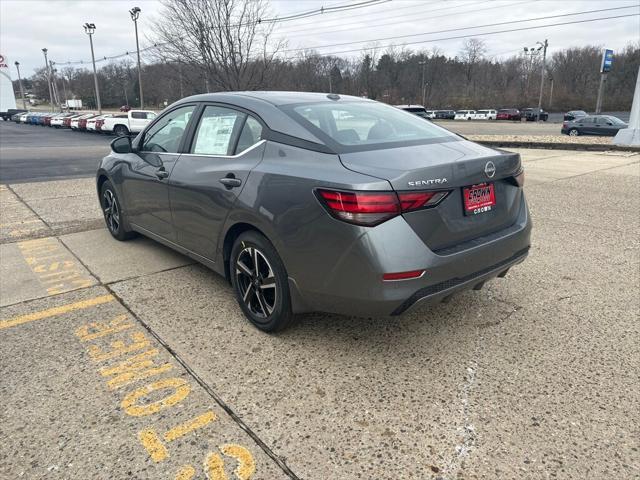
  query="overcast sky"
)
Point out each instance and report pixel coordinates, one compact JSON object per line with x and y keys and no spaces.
{"x":26,"y":26}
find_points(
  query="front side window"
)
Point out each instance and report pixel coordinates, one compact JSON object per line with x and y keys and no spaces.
{"x":216,"y":131}
{"x":166,"y":134}
{"x":364,"y":123}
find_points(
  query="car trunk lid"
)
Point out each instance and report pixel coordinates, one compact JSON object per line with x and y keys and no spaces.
{"x":450,"y":166}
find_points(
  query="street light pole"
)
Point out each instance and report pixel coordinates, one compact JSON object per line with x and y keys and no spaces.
{"x":90,"y":29}
{"x":24,"y":102}
{"x":544,"y":63}
{"x":423,"y":63}
{"x":135,"y":14}
{"x":46,"y":65}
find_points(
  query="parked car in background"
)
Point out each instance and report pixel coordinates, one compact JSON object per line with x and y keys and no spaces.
{"x":75,"y":121}
{"x":133,"y":121}
{"x":573,"y":114}
{"x":508,"y":114}
{"x":7,"y":116}
{"x":58,"y":120}
{"x":67,"y":120}
{"x":418,"y":110}
{"x":534,"y":114}
{"x":445,"y":114}
{"x":91,"y":122}
{"x":23,"y":117}
{"x":303,"y":211}
{"x":431,"y":114}
{"x":603,"y":125}
{"x":465,"y":115}
{"x":82,"y":123}
{"x":17,"y":116}
{"x":486,"y":114}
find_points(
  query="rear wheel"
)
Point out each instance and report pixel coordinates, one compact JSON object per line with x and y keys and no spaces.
{"x":113,"y":215}
{"x":574,"y":132}
{"x":121,"y":130}
{"x":260,"y":282}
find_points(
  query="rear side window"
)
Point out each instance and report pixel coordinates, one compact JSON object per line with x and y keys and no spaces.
{"x":250,"y":135}
{"x":139,"y":115}
{"x":216,"y":131}
{"x":363,"y":123}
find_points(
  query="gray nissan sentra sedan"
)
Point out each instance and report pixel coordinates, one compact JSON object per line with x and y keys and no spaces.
{"x":314,"y":202}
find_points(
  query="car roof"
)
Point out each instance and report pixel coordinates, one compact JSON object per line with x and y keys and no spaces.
{"x":266,"y":105}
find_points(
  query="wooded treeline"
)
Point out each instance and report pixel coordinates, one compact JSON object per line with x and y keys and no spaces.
{"x":394,"y":77}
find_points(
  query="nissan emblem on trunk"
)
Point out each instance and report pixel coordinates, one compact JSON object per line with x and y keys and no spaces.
{"x":490,"y":169}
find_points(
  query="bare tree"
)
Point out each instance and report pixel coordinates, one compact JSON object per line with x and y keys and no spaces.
{"x":473,"y":51}
{"x":226,"y":39}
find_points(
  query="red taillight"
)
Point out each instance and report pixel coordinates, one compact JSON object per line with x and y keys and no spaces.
{"x":373,"y":208}
{"x":361,"y":208}
{"x":403,"y":275}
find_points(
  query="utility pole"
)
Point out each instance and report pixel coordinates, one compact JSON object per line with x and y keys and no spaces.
{"x":605,"y":68}
{"x":54,"y":84}
{"x":544,"y":64}
{"x":135,"y":14}
{"x":550,"y":93}
{"x":46,"y":65}
{"x":24,"y":102}
{"x":90,"y":29}
{"x":423,"y":63}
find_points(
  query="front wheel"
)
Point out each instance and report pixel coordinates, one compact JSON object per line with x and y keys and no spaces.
{"x":113,"y":215}
{"x":574,"y":132}
{"x":260,"y":282}
{"x":121,"y":131}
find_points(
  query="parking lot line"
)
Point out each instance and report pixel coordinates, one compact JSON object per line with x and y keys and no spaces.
{"x":52,"y":312}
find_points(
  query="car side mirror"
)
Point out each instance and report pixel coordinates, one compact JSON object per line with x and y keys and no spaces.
{"x":122,"y":145}
{"x":609,"y":123}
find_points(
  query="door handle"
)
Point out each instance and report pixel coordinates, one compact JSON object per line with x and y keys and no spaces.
{"x":162,"y":173}
{"x":230,"y":181}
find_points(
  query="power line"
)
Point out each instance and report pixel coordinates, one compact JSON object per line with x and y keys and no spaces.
{"x":324,"y":32}
{"x":486,"y":33}
{"x":368,"y":16}
{"x":458,"y":29}
{"x":332,"y":8}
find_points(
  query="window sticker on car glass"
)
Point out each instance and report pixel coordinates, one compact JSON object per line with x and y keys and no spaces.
{"x":214,"y":135}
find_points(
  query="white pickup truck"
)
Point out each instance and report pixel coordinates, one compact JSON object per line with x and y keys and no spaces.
{"x":134,"y":121}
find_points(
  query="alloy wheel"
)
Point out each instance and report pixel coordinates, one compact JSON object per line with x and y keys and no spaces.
{"x":573,"y":132}
{"x":111,"y":211}
{"x":256,"y":282}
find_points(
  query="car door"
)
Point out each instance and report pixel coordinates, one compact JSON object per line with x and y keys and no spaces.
{"x":145,"y":182}
{"x":227,"y":144}
{"x":605,"y":126}
{"x":586,"y":125}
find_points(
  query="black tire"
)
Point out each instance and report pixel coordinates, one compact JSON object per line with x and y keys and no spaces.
{"x":574,"y":132}
{"x":114,"y":217}
{"x":270,"y":309}
{"x":120,"y":131}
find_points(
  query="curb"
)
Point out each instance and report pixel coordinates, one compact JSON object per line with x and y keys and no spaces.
{"x":558,"y":146}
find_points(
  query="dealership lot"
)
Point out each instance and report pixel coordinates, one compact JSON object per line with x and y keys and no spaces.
{"x":127,"y":360}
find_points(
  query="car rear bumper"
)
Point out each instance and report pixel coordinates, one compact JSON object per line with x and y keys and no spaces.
{"x":356,"y":287}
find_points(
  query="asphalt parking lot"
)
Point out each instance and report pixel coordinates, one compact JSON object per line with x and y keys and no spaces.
{"x":127,"y":360}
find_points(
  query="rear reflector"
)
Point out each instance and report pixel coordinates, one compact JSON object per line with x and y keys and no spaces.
{"x":373,"y":208}
{"x":403,"y":275}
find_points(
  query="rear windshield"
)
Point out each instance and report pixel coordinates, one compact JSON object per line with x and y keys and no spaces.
{"x":366,"y":124}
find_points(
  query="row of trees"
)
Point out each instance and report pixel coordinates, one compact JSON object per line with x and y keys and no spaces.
{"x":218,"y":45}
